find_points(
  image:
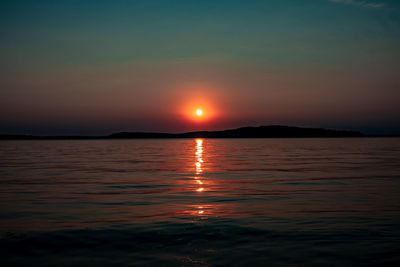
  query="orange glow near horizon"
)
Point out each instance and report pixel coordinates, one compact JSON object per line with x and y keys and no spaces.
{"x":199,"y":104}
{"x":199,"y":113}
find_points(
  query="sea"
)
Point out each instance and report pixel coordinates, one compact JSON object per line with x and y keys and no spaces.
{"x":200,"y":202}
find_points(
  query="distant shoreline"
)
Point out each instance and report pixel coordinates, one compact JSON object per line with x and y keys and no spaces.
{"x":100,"y":138}
{"x":272,"y":131}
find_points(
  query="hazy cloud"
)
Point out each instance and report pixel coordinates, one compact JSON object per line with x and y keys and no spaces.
{"x":360,"y":3}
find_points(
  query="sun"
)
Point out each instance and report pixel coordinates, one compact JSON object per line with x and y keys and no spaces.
{"x":199,"y":112}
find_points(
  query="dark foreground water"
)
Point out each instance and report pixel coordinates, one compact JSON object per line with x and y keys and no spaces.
{"x":232,"y":202}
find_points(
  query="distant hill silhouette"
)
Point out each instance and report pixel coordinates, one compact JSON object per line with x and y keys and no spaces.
{"x":273,"y":131}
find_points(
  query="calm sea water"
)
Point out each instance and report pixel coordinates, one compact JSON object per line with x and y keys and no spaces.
{"x":200,"y":202}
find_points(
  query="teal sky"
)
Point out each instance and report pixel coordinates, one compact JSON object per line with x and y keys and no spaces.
{"x":94,"y":67}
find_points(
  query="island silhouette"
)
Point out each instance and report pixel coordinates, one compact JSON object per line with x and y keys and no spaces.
{"x":272,"y":131}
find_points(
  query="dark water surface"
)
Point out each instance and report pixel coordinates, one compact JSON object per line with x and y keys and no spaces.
{"x":204,"y":202}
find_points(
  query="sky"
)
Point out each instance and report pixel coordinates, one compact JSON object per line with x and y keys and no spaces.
{"x":97,"y":67}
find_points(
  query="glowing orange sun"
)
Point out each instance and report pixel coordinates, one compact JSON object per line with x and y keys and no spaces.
{"x":199,"y":112}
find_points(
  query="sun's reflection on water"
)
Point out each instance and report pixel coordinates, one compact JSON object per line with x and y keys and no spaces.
{"x":198,"y":163}
{"x":199,"y":156}
{"x":199,"y":171}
